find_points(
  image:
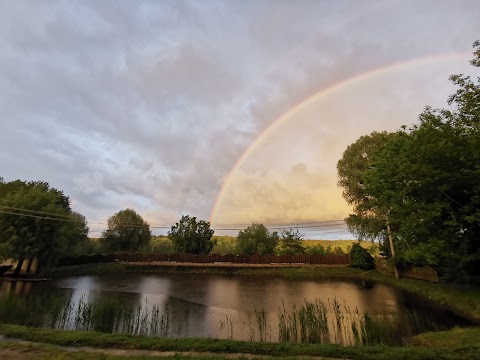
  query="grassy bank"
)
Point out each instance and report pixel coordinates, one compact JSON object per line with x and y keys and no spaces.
{"x":119,"y":341}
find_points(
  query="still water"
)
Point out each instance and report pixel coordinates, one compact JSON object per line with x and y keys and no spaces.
{"x":218,"y":306}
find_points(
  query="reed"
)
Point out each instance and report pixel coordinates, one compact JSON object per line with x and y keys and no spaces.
{"x":314,"y":322}
{"x":288,"y":324}
{"x":261,"y":318}
{"x":227,"y":324}
{"x":310,"y":324}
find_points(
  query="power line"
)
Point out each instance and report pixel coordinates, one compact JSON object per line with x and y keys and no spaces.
{"x":39,"y":217}
{"x":69,"y":218}
{"x":35,"y":211}
{"x":284,"y":224}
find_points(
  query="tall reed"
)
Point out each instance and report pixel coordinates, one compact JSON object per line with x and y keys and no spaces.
{"x":261,"y":318}
{"x":310,"y":324}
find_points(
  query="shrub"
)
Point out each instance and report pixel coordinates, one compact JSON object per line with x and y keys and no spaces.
{"x":361,"y":258}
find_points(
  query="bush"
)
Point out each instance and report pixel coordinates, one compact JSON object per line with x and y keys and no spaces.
{"x":256,"y":239}
{"x":316,"y":249}
{"x":190,"y":236}
{"x":361,"y":258}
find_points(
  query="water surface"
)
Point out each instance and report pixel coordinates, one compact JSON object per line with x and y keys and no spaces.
{"x":212,"y":306}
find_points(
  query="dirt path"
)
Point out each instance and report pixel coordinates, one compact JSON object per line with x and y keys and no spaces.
{"x":13,"y":349}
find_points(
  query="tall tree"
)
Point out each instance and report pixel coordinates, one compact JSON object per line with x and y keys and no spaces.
{"x":36,"y":221}
{"x":192,"y":236}
{"x":256,"y":239}
{"x":425,"y":181}
{"x":126,"y":231}
{"x":291,"y":242}
{"x":368,"y":220}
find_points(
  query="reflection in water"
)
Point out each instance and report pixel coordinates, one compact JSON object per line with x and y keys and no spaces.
{"x":237,"y":307}
{"x":17,"y":288}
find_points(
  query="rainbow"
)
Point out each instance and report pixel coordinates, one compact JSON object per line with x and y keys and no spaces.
{"x":315,"y":97}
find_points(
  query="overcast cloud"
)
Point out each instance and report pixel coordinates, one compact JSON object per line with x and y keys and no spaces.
{"x":150,"y":104}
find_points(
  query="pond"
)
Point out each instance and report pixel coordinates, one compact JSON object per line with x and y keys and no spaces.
{"x":224,"y":307}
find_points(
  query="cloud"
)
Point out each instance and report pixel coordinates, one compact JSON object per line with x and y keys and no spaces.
{"x":290,"y":176}
{"x":150,"y":104}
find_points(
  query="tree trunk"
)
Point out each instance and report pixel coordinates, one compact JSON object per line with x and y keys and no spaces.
{"x":18,"y":268}
{"x":390,"y":238}
{"x":29,"y":266}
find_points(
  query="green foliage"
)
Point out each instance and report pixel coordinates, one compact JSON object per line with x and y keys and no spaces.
{"x":361,"y":258}
{"x":126,"y":231}
{"x":424,"y":181}
{"x":224,"y":245}
{"x":291,"y":242}
{"x":256,"y":239}
{"x":192,"y":236}
{"x":36,"y":221}
{"x":367,"y":219}
{"x":79,"y":234}
{"x":317,"y":249}
{"x":88,"y":246}
{"x":161,"y":245}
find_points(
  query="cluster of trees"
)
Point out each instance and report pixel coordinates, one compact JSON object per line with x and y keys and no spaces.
{"x":419,"y":188}
{"x":37,"y":222}
{"x":127,"y":231}
{"x":46,"y":231}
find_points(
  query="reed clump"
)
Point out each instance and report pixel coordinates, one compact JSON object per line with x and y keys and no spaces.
{"x":324,"y":322}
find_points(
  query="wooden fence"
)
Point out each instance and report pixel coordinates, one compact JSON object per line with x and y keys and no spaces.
{"x":330,"y":259}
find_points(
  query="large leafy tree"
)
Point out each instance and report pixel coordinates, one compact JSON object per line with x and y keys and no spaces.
{"x":192,"y":236}
{"x":256,"y":239}
{"x":126,"y":231}
{"x":36,"y":221}
{"x":367,"y":220}
{"x":425,"y":181}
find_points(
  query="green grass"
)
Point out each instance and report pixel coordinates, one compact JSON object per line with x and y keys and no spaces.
{"x":462,"y":299}
{"x":457,"y":338}
{"x":119,"y":341}
{"x":36,"y":351}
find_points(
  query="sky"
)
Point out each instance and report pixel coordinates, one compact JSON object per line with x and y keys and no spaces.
{"x":231,"y":111}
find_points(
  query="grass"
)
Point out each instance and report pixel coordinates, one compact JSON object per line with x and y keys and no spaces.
{"x":119,"y":341}
{"x":457,"y":338}
{"x":464,"y":300}
{"x":31,"y":351}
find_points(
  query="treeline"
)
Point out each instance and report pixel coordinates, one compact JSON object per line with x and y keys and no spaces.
{"x":37,"y":222}
{"x":162,"y":244}
{"x":417,"y":190}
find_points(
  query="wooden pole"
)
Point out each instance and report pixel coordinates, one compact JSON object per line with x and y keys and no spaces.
{"x":392,"y":249}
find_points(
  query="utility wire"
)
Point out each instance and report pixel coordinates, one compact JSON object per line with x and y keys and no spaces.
{"x":38,"y":217}
{"x":63,"y":217}
{"x":287,"y":226}
{"x":276,"y":224}
{"x":35,"y":211}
